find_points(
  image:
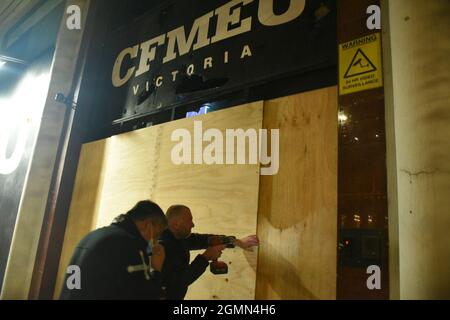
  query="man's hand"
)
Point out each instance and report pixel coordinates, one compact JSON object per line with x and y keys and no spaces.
{"x":213,"y":253}
{"x":248,"y":242}
{"x":158,"y":257}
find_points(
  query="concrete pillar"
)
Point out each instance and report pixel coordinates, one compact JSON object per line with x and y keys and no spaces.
{"x":49,"y":142}
{"x":416,"y":41}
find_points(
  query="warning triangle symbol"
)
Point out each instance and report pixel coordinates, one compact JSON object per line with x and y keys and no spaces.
{"x":360,"y":65}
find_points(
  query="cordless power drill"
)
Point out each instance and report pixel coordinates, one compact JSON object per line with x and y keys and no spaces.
{"x":220,"y":267}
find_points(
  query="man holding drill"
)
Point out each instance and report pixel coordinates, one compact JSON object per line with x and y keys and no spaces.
{"x":178,"y":240}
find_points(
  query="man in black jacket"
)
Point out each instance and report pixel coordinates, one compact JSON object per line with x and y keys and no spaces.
{"x":178,"y":240}
{"x":114,"y":261}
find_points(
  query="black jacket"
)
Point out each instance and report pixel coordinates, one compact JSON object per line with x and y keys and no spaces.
{"x":104,"y":256}
{"x":178,"y":274}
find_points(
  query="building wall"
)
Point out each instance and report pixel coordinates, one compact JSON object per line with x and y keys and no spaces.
{"x":416,"y":54}
{"x":50,"y":139}
{"x":297,"y":215}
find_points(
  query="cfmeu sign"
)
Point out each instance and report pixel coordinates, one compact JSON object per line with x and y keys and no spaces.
{"x":176,"y":43}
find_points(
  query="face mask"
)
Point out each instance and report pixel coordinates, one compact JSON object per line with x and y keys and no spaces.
{"x":149,"y":252}
{"x":150,"y":243}
{"x":150,"y":247}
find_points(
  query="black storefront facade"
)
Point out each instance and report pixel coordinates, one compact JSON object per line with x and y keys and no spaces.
{"x":146,"y":64}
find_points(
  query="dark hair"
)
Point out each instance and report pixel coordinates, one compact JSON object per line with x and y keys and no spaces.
{"x":175,"y":211}
{"x":143,"y":210}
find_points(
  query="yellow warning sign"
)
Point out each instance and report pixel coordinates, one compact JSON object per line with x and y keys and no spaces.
{"x":360,"y":64}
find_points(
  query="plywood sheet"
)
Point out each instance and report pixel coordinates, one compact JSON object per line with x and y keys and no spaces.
{"x":297,"y":208}
{"x":223,"y":198}
{"x":133,"y":160}
{"x":85,"y":203}
{"x":297,"y":213}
